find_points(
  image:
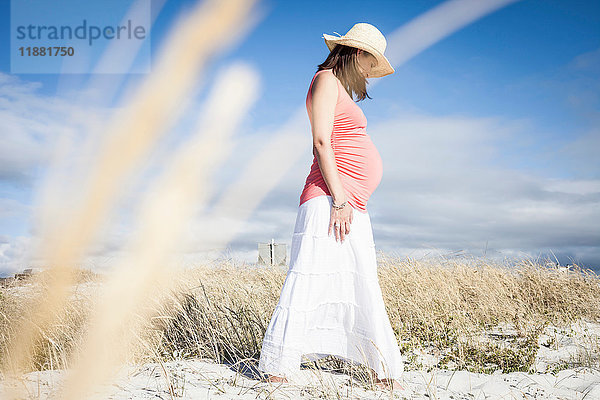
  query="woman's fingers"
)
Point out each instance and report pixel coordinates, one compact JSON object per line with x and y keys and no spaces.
{"x":344,"y":229}
{"x":340,"y":225}
{"x":347,"y":222}
{"x":331,"y":225}
{"x":335,"y":225}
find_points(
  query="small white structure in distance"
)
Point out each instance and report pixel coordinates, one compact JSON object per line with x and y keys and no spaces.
{"x":272,"y":254}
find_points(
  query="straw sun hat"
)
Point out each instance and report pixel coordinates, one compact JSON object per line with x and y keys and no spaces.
{"x":366,"y":37}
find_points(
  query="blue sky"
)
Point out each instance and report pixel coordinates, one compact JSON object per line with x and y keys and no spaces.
{"x":489,"y":136}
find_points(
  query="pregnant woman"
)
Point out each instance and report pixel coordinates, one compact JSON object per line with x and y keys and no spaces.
{"x":331,"y":302}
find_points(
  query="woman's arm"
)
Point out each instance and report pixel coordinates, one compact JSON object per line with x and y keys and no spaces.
{"x":324,"y":99}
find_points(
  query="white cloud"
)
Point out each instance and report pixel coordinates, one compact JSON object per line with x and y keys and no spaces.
{"x":442,"y":192}
{"x":445,"y":190}
{"x":449,"y":185}
{"x":440,"y":189}
{"x":31,"y":124}
{"x":14,"y":254}
{"x":582,"y":153}
{"x":11,"y":208}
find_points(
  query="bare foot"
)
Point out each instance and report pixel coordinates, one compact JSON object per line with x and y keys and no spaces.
{"x":385,"y":383}
{"x":274,"y":378}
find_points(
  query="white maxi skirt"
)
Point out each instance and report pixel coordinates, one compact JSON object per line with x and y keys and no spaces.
{"x":331,"y":302}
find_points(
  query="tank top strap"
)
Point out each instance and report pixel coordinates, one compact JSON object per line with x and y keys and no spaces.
{"x":313,"y":80}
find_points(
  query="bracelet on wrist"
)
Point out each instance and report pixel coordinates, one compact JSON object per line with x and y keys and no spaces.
{"x":340,"y":206}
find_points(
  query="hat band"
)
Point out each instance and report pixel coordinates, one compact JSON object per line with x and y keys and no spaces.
{"x":335,"y":40}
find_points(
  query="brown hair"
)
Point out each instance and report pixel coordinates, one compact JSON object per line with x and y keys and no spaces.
{"x":343,"y":60}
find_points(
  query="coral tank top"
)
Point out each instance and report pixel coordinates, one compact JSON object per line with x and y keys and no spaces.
{"x":358,"y":161}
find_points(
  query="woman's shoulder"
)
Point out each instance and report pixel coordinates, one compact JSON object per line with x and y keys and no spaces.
{"x":325,"y":78}
{"x":325,"y":74}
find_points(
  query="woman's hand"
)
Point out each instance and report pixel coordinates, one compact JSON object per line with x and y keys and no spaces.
{"x":340,"y":221}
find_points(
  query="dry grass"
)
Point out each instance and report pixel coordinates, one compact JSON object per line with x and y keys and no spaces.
{"x":70,"y":217}
{"x":448,"y":305}
{"x":220,"y":312}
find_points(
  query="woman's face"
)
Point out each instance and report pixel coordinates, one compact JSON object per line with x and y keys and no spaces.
{"x":366,"y":62}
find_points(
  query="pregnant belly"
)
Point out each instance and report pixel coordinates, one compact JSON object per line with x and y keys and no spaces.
{"x":359,"y":163}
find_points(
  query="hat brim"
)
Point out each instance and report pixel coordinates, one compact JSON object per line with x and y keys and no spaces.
{"x":383,"y":66}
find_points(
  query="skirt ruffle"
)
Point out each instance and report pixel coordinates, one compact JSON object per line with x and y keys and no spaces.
{"x":331,"y":300}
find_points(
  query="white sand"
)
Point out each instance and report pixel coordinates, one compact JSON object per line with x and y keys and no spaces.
{"x":204,"y":380}
{"x":577,"y":344}
{"x":196,"y":379}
